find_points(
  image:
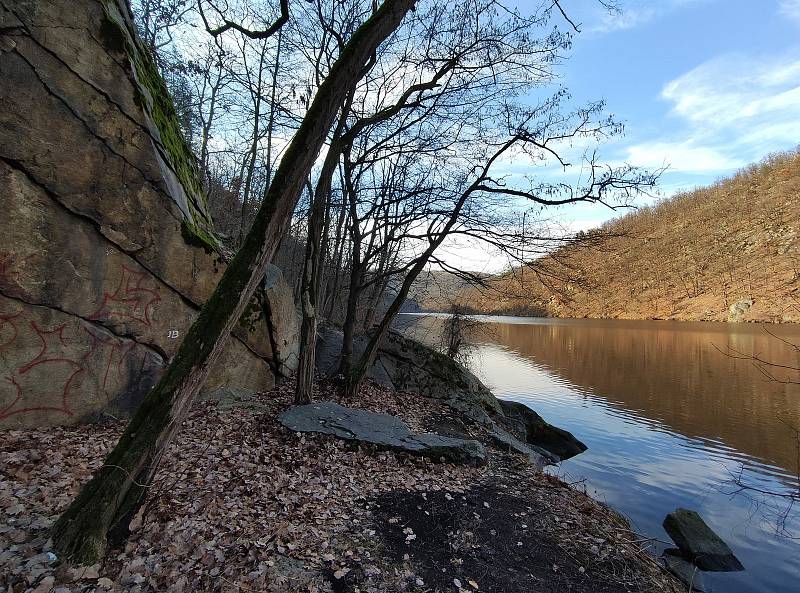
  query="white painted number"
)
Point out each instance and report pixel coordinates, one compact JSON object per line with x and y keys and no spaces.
{"x":173,"y":333}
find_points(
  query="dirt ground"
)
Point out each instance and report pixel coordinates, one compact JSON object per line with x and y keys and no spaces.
{"x":242,"y":504}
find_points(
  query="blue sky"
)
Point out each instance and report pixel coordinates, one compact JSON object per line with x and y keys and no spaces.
{"x":704,"y":86}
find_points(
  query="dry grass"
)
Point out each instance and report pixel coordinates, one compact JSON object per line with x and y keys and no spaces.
{"x":690,"y":257}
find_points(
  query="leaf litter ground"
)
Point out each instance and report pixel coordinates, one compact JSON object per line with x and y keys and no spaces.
{"x":243,"y":504}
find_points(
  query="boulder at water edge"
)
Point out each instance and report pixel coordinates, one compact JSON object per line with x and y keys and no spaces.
{"x":535,"y":431}
{"x":687,"y":572}
{"x":699,"y":543}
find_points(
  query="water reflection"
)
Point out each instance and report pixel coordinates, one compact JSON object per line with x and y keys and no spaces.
{"x":668,"y":420}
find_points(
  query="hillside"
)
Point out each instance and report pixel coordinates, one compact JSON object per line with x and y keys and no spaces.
{"x":702,"y":255}
{"x":436,"y":290}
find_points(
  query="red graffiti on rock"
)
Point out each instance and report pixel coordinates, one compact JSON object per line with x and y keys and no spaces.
{"x":72,"y":360}
{"x":130,"y":301}
{"x":50,"y":362}
{"x":45,"y":369}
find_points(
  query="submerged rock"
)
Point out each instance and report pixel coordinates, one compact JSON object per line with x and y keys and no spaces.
{"x":559,"y":443}
{"x":687,"y":572}
{"x":698,"y":542}
{"x":383,"y":430}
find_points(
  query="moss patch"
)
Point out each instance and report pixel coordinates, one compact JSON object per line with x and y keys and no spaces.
{"x":153,"y":97}
{"x":197,"y":236}
{"x":253,"y":312}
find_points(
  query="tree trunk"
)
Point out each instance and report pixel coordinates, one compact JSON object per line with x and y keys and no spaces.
{"x":205,"y":133}
{"x":253,"y":152}
{"x":349,"y":325}
{"x":331,"y":292}
{"x":312,"y":276}
{"x":108,"y":501}
{"x":356,"y":274}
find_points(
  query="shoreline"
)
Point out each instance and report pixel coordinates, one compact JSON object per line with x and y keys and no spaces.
{"x":243,"y":504}
{"x":665,"y":319}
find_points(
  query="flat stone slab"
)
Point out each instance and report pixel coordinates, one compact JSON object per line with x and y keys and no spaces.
{"x":382,"y":430}
{"x":687,"y":572}
{"x":699,"y":543}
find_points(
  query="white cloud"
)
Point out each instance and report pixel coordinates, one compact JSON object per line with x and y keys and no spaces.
{"x":684,"y":156}
{"x":728,"y":89}
{"x":731,"y":110}
{"x":790,"y":9}
{"x":632,"y":13}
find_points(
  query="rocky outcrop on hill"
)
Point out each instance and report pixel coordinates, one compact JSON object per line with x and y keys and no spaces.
{"x":106,"y":250}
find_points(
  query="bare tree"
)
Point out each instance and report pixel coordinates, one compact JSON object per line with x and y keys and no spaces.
{"x":109,"y":499}
{"x":534,"y":131}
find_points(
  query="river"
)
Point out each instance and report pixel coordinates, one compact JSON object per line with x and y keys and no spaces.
{"x":670,"y":421}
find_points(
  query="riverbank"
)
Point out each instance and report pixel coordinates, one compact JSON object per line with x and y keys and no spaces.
{"x":243,"y":504}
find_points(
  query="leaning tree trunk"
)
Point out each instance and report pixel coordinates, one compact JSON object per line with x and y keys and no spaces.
{"x":115,"y":492}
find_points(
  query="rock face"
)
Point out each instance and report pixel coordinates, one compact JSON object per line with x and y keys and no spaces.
{"x":699,"y":543}
{"x":407,"y":365}
{"x":106,"y":248}
{"x":379,"y":429}
{"x":738,"y":310}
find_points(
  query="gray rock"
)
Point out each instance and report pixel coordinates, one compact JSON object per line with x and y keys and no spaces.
{"x":226,"y":394}
{"x":382,"y":430}
{"x":687,"y":572}
{"x":559,"y":443}
{"x":738,"y":309}
{"x":407,"y":365}
{"x":699,"y":543}
{"x":235,"y":397}
{"x":535,"y":455}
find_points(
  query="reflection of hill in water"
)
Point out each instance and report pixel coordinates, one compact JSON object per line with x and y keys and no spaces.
{"x":672,"y":373}
{"x":674,"y":376}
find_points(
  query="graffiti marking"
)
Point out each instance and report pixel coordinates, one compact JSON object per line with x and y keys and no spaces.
{"x":131,"y":300}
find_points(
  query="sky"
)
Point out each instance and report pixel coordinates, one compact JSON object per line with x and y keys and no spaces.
{"x":704,"y":87}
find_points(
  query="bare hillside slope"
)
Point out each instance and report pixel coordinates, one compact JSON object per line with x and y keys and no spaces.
{"x":728,"y":252}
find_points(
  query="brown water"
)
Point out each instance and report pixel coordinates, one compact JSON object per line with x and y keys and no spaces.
{"x":669,"y":420}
